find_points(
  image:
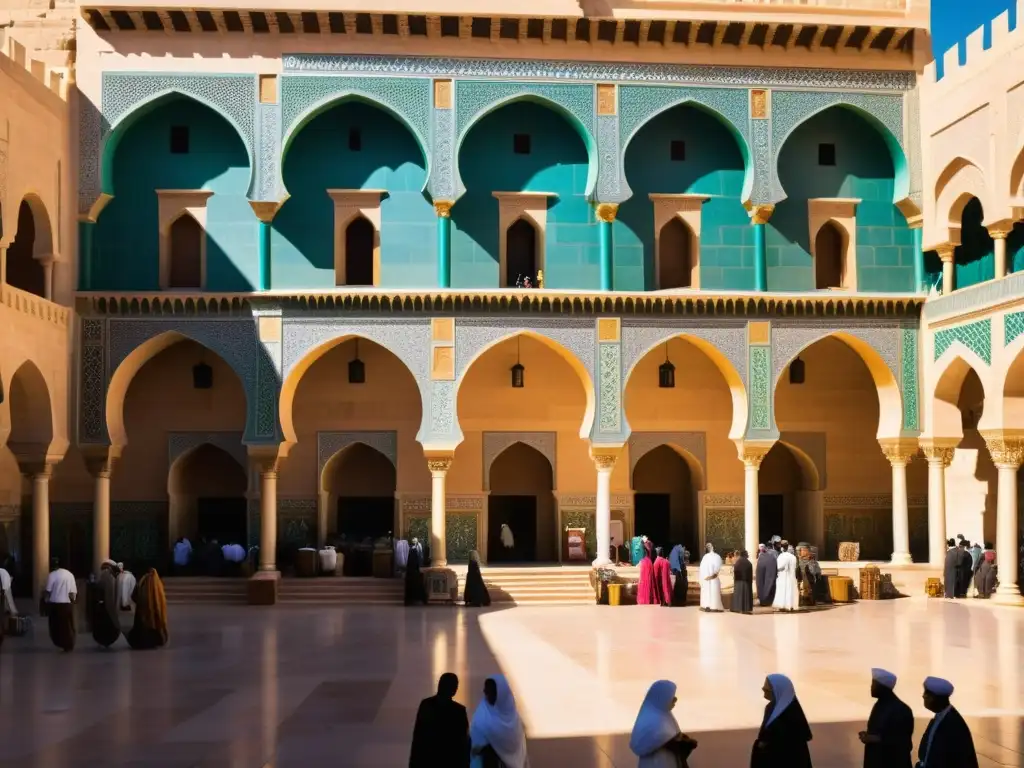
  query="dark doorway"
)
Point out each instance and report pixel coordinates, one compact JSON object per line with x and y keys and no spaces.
{"x":770,"y":516}
{"x":186,"y":254}
{"x":225,"y":520}
{"x":361,"y":517}
{"x":520,"y":253}
{"x":675,"y":263}
{"x":359,"y":246}
{"x":828,"y":257}
{"x":519,"y":513}
{"x":24,"y":270}
{"x":653,"y":518}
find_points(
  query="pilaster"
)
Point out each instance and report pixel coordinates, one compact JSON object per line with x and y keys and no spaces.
{"x":761,"y":385}
{"x":610,"y":425}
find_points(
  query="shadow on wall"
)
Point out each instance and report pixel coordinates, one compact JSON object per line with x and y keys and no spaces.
{"x":178,"y":144}
{"x":839,"y":154}
{"x":685,"y":150}
{"x":523,"y":147}
{"x":354,"y":145}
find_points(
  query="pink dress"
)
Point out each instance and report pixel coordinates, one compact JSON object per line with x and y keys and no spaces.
{"x":646,"y":590}
{"x":663,"y":581}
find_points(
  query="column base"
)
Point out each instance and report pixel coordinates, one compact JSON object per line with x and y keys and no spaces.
{"x":1008,"y":596}
{"x":901,"y":558}
{"x":600,"y":562}
{"x":438,"y":564}
{"x":262,"y":588}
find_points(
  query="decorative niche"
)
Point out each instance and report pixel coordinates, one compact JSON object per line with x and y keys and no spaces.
{"x":677,"y":240}
{"x":521,"y":252}
{"x":181,"y":215}
{"x":833,"y":240}
{"x":357,"y":222}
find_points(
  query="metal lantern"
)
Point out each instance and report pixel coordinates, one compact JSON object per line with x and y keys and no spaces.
{"x":666,"y":373}
{"x":518,"y":371}
{"x":356,"y":368}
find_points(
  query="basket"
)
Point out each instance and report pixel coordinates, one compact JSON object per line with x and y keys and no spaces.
{"x":849,"y":551}
{"x":933,"y":587}
{"x":840,"y":588}
{"x":870,"y":583}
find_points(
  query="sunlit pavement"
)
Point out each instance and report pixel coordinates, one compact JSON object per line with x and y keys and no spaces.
{"x":250,"y":687}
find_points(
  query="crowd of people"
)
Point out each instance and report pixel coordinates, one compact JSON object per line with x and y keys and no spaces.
{"x":496,"y":738}
{"x":969,"y":566}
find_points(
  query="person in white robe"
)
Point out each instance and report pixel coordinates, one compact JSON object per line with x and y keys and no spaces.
{"x":401,"y":555}
{"x":496,"y":724}
{"x":125,"y":587}
{"x":507,"y":540}
{"x":182,"y":553}
{"x":787,"y":591}
{"x":656,"y":738}
{"x":7,"y":604}
{"x":710,"y":583}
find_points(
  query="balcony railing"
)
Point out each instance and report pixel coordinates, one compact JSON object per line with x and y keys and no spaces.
{"x":29,"y":304}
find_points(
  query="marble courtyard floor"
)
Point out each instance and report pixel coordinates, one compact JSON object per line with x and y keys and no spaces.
{"x":253,"y":687}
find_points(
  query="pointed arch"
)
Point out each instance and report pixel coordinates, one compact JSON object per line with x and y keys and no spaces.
{"x":697,"y":474}
{"x":124,"y":123}
{"x":29,"y":402}
{"x":733,"y":380}
{"x":128,"y":368}
{"x":574,"y":363}
{"x":180,"y":463}
{"x":330,"y":466}
{"x":585,"y":134}
{"x":901,"y":168}
{"x":890,"y":398}
{"x":960,"y":181}
{"x":337,"y":99}
{"x":950,"y":372}
{"x":1016,"y":180}
{"x":44,"y":225}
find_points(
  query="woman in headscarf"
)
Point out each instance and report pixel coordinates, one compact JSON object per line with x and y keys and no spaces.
{"x":475,"y":594}
{"x":662,"y":577}
{"x":985,"y":576}
{"x":415,"y":589}
{"x":647,"y":588}
{"x":150,"y":628}
{"x":496,"y":732}
{"x":106,"y":622}
{"x":656,"y":738}
{"x":677,"y":563}
{"x":782,"y":740}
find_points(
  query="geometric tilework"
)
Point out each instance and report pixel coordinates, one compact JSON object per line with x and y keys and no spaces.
{"x":1013,"y":326}
{"x":908,"y":378}
{"x":976,"y":336}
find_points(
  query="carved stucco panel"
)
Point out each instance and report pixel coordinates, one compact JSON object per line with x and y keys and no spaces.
{"x":180,"y":443}
{"x":642,"y":443}
{"x":329,"y":444}
{"x":640,"y":336}
{"x":788,"y":340}
{"x":472,"y":335}
{"x":494,"y":443}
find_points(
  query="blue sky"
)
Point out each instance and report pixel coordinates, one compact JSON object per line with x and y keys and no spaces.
{"x":953,"y":20}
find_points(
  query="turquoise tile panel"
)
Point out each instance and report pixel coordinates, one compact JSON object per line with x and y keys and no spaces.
{"x":976,"y":336}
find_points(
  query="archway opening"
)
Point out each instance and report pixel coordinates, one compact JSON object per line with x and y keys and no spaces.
{"x":780,"y":481}
{"x":186,"y":249}
{"x":175,"y":143}
{"x":974,"y":258}
{"x":360,"y":483}
{"x":31,"y":411}
{"x":210,"y":488}
{"x":24,"y":270}
{"x":676,"y":263}
{"x":360,"y":243}
{"x":521,"y":498}
{"x":838,"y":154}
{"x":687,"y":150}
{"x":665,"y":499}
{"x":520,"y":253}
{"x":524,"y":146}
{"x":353,"y":145}
{"x":829,"y":257}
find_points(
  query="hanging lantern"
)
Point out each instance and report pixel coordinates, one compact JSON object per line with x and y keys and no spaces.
{"x":796,"y":371}
{"x":356,"y":368}
{"x":518,"y":371}
{"x":667,"y":373}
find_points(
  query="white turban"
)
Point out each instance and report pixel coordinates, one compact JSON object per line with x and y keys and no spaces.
{"x":938,"y":686}
{"x":121,"y":566}
{"x":883,"y":677}
{"x":108,"y":562}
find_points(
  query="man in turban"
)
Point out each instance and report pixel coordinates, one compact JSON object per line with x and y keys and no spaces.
{"x":947,"y":741}
{"x":889,"y":738}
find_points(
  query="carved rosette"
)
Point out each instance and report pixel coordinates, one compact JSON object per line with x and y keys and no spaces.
{"x":443,"y":208}
{"x":936,"y":454}
{"x":899,"y":452}
{"x":439,"y":465}
{"x":1007,"y":452}
{"x":607,"y":211}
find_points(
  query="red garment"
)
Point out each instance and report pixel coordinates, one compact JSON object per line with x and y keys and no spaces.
{"x":663,"y":580}
{"x":647,"y":588}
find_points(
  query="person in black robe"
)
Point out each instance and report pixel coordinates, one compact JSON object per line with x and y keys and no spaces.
{"x":742,"y":584}
{"x":475,"y":594}
{"x":964,"y":568}
{"x":103,"y":614}
{"x":149,"y":629}
{"x":985,"y":576}
{"x":949,"y":569}
{"x":415,"y":589}
{"x":784,"y":734}
{"x":947,"y":741}
{"x":441,"y":734}
{"x":889,"y":739}
{"x":767,"y":573}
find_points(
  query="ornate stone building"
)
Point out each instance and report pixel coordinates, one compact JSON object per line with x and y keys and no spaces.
{"x":302,"y":252}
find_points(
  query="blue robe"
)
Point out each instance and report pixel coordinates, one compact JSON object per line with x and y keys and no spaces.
{"x":636,"y":550}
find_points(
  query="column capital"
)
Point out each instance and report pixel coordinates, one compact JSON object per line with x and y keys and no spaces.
{"x":266,"y":459}
{"x":945,"y":252}
{"x":607,"y":212}
{"x":751,"y":453}
{"x":1006,"y":447}
{"x":759,"y":214}
{"x":900,"y":451}
{"x":33,"y":466}
{"x":100,"y":460}
{"x":605,"y":456}
{"x":266,"y":210}
{"x":439,"y":465}
{"x":938,"y":452}
{"x":443,"y":208}
{"x":1000,"y":230}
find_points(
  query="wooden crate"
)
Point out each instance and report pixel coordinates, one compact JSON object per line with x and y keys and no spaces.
{"x":870,"y":583}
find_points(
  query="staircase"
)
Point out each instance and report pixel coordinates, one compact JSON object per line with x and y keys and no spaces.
{"x":553,"y":585}
{"x":340,"y":591}
{"x":203,"y":589}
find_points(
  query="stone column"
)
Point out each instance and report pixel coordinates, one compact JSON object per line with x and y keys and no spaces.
{"x":40,"y":477}
{"x":948,"y":275}
{"x":939,"y":457}
{"x":265,"y":211}
{"x":443,"y":208}
{"x":268,"y":518}
{"x":100,"y":468}
{"x":604,"y":461}
{"x":899,"y":453}
{"x":998,"y":235}
{"x":751,"y":456}
{"x":606,"y":216}
{"x":439,"y":466}
{"x":47,"y":262}
{"x":1007,"y":454}
{"x":916,"y":232}
{"x":4,"y":244}
{"x":759,"y":215}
